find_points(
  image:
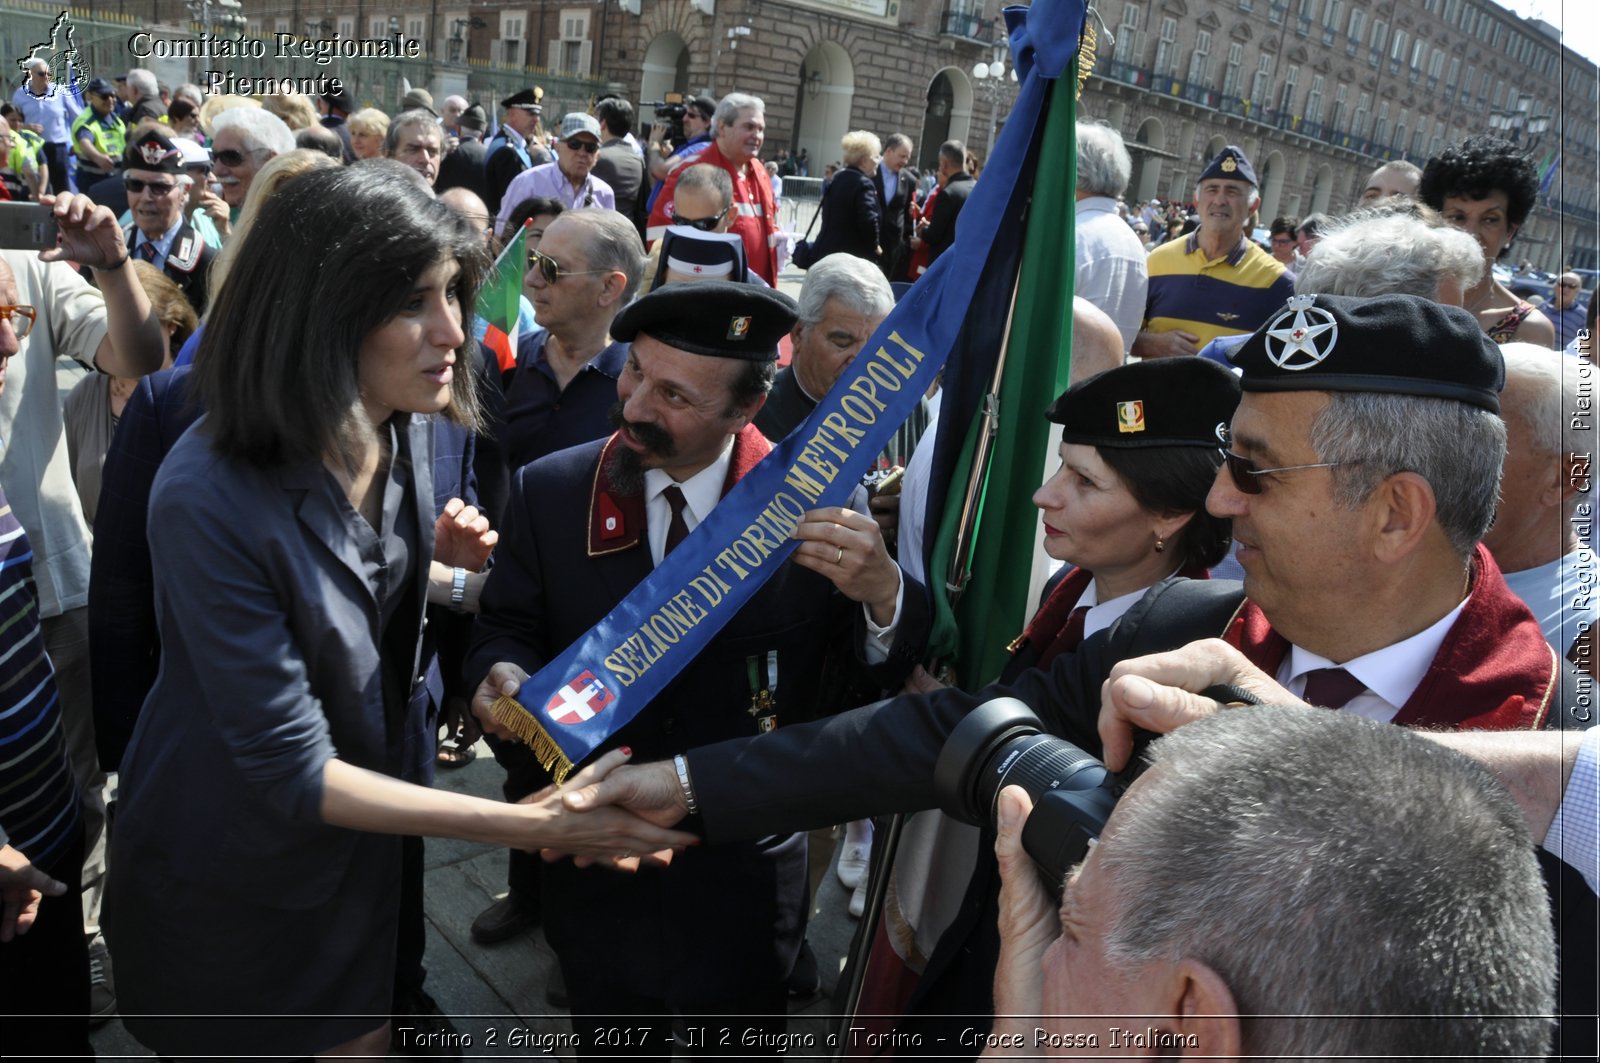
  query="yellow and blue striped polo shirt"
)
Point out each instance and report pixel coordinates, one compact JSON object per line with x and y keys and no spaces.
{"x":1221,"y":297}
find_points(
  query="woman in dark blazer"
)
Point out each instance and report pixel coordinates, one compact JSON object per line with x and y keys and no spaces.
{"x":851,"y":213}
{"x":267,"y":780}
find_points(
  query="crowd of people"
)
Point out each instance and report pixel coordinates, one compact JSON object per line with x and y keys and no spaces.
{"x":281,"y":555}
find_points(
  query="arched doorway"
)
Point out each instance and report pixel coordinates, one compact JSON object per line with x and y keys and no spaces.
{"x":1147,"y":164}
{"x":947,"y":117}
{"x":1271,"y":176}
{"x":1322,"y":190}
{"x":666,"y":69}
{"x":1214,"y":148}
{"x":822,"y":103}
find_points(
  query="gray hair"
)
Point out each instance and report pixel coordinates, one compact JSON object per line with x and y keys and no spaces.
{"x":1383,"y":252}
{"x":728,"y":109}
{"x":191,"y":92}
{"x":145,"y":81}
{"x":259,"y":129}
{"x":704,"y":175}
{"x":1328,"y":865}
{"x":1104,"y":166}
{"x":1459,"y":449}
{"x":1555,"y":405}
{"x":36,"y":62}
{"x":610,"y":243}
{"x":854,"y":281}
{"x":405,"y":120}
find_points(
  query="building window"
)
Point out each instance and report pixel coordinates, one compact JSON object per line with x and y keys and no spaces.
{"x":572,"y":52}
{"x":1286,"y":98}
{"x":1380,"y":130}
{"x":1363,"y":105}
{"x":1454,"y":77}
{"x":1400,"y":131}
{"x":1128,"y":42}
{"x":347,"y":28}
{"x":1167,"y":48}
{"x":1231,"y":76}
{"x":1200,"y":59}
{"x":1263,"y":80}
{"x":1314,"y":100}
{"x":378,"y":27}
{"x":416,"y":27}
{"x":1339,"y":99}
{"x":1380,"y":37}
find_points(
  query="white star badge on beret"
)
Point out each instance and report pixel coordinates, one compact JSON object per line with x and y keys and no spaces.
{"x":1297,"y":339}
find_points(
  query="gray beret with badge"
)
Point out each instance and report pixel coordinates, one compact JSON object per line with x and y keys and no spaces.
{"x":1163,"y":402}
{"x":719,"y":319}
{"x":1392,"y":344}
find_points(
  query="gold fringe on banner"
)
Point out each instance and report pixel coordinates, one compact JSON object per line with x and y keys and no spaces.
{"x":1085,"y":57}
{"x":510,"y":712}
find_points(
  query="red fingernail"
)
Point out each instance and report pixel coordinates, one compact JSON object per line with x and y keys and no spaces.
{"x":627,"y":752}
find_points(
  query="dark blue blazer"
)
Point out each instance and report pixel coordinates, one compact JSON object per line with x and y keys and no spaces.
{"x":125,"y":649}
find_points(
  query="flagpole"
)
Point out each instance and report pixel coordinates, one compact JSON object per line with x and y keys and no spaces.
{"x":960,"y":571}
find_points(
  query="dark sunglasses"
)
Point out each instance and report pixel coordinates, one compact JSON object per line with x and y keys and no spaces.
{"x":230,"y":157}
{"x":1247,"y":478}
{"x":155,"y":188}
{"x":705,"y":225}
{"x":551,"y":270}
{"x":588,"y":147}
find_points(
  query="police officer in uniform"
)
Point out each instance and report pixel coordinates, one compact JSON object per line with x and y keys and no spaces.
{"x":161,"y":234}
{"x":98,"y":135}
{"x":513,"y":149}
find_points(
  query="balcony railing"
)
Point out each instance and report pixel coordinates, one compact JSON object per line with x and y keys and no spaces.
{"x":967,"y":25}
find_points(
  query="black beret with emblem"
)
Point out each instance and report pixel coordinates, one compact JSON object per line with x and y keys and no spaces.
{"x":1230,"y":164}
{"x":722,"y":319}
{"x":1393,"y":344}
{"x":1163,"y":402}
{"x":528,"y":98}
{"x":153,"y":150}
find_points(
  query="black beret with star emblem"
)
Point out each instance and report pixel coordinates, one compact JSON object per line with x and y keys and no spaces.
{"x":1393,"y":344}
{"x":1230,"y":164}
{"x":153,"y":150}
{"x":1163,"y":402}
{"x":720,"y":319}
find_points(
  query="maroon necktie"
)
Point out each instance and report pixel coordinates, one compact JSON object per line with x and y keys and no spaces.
{"x":1072,"y":631}
{"x":678,"y":529}
{"x":149,"y":251}
{"x":1331,"y":688}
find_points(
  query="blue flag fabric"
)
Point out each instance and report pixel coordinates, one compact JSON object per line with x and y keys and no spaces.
{"x":600,"y":682}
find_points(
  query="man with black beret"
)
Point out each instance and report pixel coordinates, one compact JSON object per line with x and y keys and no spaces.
{"x":335,"y":106}
{"x":153,"y":174}
{"x":717,"y":932}
{"x":1361,"y":471}
{"x":1217,"y":281}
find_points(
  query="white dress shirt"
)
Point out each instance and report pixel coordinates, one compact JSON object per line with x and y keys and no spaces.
{"x":701,"y":493}
{"x":1391,"y":674}
{"x":1102,"y":615}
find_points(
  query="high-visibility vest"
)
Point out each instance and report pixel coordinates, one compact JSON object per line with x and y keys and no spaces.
{"x":109,"y":137}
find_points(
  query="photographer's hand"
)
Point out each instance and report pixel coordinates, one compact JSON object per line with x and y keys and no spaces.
{"x":1028,"y":920}
{"x":1156,"y":693}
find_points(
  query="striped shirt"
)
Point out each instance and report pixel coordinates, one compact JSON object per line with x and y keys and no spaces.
{"x":38,"y":801}
{"x":1217,"y":297}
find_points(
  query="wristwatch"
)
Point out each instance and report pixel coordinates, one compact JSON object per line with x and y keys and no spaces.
{"x":458,"y":588}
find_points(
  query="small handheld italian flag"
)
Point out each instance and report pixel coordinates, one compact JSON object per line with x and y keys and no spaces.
{"x":501,"y":299}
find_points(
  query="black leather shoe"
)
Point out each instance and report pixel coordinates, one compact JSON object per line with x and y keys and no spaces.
{"x":503,"y":920}
{"x":419,"y":1028}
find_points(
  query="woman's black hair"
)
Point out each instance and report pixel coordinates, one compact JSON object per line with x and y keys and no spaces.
{"x":526,"y":211}
{"x":1479,"y":166}
{"x":1168,"y":480}
{"x":334,"y":254}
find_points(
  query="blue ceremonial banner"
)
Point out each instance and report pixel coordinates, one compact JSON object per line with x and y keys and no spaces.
{"x":603,"y":680}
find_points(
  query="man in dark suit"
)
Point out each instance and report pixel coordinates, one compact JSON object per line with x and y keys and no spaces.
{"x":717,"y":932}
{"x":463,"y":167}
{"x":896,"y":181}
{"x":955,"y":183}
{"x":160,"y":234}
{"x":619,"y":165}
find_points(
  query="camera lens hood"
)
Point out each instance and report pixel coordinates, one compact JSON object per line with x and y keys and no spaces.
{"x":956,"y":774}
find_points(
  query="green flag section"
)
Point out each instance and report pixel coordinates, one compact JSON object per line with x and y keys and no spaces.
{"x":501,"y":299}
{"x":998,"y":526}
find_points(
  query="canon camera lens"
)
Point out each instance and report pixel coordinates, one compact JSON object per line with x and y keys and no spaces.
{"x":1002,"y":743}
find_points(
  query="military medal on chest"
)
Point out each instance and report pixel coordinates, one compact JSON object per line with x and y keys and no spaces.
{"x":763,"y":674}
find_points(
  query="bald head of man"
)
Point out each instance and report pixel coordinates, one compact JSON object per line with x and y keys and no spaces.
{"x":1096,"y":343}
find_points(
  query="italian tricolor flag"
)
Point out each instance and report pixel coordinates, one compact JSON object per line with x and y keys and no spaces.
{"x":501,"y":299}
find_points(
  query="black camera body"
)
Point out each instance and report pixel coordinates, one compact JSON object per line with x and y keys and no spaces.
{"x":669,"y":119}
{"x":1002,"y":743}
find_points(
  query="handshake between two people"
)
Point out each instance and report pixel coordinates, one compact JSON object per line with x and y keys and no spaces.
{"x":621,"y":815}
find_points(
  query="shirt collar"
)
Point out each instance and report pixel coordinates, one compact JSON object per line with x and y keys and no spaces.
{"x":1394,"y":672}
{"x":702,"y":491}
{"x":163,"y":243}
{"x":1192,"y":244}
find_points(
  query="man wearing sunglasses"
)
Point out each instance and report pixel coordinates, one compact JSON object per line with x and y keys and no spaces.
{"x":244,"y":139}
{"x":160,"y":234}
{"x":1363,"y":469}
{"x":569,"y":180}
{"x":1564,"y":310}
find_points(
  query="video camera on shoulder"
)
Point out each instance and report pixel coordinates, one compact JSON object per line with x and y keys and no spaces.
{"x":669,"y":118}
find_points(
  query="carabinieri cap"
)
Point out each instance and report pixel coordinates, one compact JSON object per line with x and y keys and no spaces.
{"x":721,"y":319}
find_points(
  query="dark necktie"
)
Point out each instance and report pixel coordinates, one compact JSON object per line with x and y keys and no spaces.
{"x":1331,"y":688}
{"x":1072,"y":631}
{"x":678,"y":529}
{"x":148,"y":250}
